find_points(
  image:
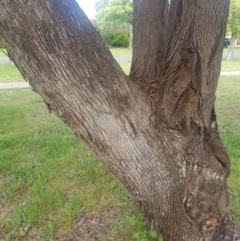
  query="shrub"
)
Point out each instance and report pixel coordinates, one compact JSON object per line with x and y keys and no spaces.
{"x":117,"y":39}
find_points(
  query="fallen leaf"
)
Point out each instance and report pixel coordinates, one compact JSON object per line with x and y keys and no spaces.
{"x":22,"y":232}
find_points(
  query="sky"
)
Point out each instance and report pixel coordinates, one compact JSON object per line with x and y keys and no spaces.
{"x":88,"y":6}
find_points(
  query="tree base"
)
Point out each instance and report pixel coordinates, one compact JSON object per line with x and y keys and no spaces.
{"x":227,"y":231}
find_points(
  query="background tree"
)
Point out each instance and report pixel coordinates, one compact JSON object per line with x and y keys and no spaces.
{"x":233,"y":26}
{"x":101,"y":4}
{"x":114,"y":15}
{"x":155,"y":130}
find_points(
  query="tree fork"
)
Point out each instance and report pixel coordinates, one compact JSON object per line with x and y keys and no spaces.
{"x":175,"y":173}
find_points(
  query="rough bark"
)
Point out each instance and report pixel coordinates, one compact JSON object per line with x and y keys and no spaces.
{"x":162,"y":142}
{"x":232,"y":46}
{"x":149,"y":41}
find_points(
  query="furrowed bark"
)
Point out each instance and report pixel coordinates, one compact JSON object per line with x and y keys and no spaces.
{"x":149,"y":41}
{"x":193,"y":61}
{"x":187,"y":88}
{"x":66,"y":62}
{"x":176,"y":171}
{"x":186,"y":103}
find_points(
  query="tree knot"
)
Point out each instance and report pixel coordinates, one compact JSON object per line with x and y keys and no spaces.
{"x":209,"y":224}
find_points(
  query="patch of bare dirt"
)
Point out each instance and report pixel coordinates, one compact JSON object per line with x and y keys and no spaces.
{"x":227,"y":232}
{"x":93,"y":226}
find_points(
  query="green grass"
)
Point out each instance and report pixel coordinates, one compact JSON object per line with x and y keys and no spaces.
{"x":233,"y":65}
{"x":10,"y":73}
{"x":121,"y":51}
{"x":50,"y":181}
{"x":236,"y":50}
{"x":2,"y":54}
{"x":228,"y":113}
{"x":125,"y":66}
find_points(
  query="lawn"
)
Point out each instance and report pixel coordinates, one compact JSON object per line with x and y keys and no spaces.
{"x":51,"y":184}
{"x":233,"y":65}
{"x":10,"y":73}
{"x":2,"y":53}
{"x":236,"y":50}
{"x":228,"y":113}
{"x":125,"y":66}
{"x":121,"y":51}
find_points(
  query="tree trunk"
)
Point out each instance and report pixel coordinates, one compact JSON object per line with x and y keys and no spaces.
{"x":149,"y":41}
{"x":157,"y":133}
{"x":130,"y":36}
{"x":232,"y":46}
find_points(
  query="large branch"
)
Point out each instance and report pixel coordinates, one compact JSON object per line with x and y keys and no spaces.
{"x":149,"y":41}
{"x":65,"y":61}
{"x":195,"y":42}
